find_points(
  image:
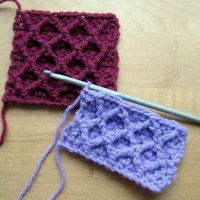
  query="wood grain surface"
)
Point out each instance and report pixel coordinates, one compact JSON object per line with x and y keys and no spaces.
{"x":159,"y":53}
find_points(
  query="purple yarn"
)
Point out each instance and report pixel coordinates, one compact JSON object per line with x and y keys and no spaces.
{"x":124,"y":137}
{"x":46,"y":153}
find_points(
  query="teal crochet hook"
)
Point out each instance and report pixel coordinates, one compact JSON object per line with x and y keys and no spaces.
{"x":148,"y":104}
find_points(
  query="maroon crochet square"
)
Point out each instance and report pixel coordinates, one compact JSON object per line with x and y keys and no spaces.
{"x":79,"y":45}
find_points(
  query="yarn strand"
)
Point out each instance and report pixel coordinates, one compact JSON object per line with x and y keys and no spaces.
{"x":15,"y":1}
{"x":5,"y":106}
{"x":45,"y":155}
{"x":4,"y":123}
{"x":62,"y":174}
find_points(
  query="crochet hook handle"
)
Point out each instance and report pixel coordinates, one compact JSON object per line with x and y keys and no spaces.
{"x":132,"y":99}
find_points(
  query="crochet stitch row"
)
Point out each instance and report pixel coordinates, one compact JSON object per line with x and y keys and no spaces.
{"x":80,"y":45}
{"x":125,"y":138}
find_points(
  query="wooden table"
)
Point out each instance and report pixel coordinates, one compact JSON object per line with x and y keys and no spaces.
{"x":159,"y":53}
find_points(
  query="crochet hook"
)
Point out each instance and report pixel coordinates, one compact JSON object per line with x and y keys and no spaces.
{"x":132,"y":99}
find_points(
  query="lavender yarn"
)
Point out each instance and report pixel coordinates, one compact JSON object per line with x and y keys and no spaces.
{"x":124,"y":137}
{"x":46,"y":153}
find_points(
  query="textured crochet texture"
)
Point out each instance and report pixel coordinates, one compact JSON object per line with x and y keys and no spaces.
{"x":125,"y":138}
{"x":80,"y":45}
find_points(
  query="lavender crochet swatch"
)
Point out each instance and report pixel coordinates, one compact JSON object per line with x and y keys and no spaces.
{"x":124,"y":137}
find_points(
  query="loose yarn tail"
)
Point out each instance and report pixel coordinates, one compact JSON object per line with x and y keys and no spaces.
{"x":4,"y":123}
{"x":62,"y":174}
{"x":15,"y":1}
{"x":46,"y":153}
{"x":4,"y":108}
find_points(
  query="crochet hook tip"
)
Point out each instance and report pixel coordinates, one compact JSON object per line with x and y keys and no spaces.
{"x":141,"y":102}
{"x":47,"y":72}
